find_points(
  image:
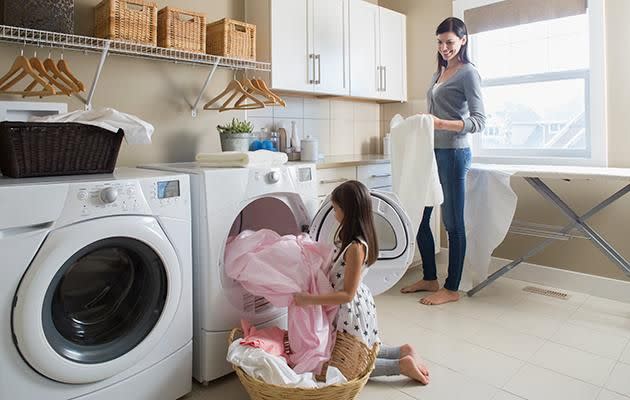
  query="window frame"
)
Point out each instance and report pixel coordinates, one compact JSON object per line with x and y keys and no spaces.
{"x":596,"y":153}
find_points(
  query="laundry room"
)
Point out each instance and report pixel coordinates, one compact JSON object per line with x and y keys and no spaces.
{"x":352,"y":199}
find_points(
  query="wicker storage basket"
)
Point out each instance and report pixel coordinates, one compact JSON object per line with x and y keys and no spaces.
{"x":353,"y":358}
{"x":45,"y":15}
{"x":30,"y":149}
{"x":231,"y":38}
{"x":127,"y":20}
{"x":181,"y":29}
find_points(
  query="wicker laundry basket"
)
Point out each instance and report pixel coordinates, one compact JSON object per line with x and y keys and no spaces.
{"x":182,"y":29}
{"x":352,"y":357}
{"x":127,"y":20}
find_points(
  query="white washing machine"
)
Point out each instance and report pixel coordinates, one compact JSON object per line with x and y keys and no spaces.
{"x":226,"y":201}
{"x":96,"y":287}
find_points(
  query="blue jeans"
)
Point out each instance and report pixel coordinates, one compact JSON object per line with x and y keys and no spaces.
{"x":453,"y":165}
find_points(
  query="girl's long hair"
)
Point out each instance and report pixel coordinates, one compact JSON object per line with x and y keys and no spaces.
{"x":458,"y":27}
{"x":358,"y":221}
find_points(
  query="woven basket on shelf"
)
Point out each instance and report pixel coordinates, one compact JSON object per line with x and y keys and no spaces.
{"x":353,"y":358}
{"x":181,"y":29}
{"x":231,"y":38}
{"x":127,"y":20}
{"x":29,"y":149}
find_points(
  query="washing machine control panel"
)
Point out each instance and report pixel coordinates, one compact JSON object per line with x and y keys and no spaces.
{"x":95,"y":199}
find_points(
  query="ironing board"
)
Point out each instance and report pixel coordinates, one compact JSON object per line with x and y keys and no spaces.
{"x":534,"y":175}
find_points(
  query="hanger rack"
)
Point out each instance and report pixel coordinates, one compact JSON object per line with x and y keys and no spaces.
{"x":23,"y":36}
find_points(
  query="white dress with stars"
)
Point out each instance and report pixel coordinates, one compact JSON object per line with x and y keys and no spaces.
{"x":358,"y":317}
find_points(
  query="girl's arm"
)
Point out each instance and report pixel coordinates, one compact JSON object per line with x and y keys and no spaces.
{"x":354,"y":258}
{"x":448,"y":125}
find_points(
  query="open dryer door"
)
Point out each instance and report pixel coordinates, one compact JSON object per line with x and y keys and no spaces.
{"x":393,"y":229}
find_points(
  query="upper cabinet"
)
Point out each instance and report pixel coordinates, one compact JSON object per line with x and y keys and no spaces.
{"x":332,"y":47}
{"x":306,"y":40}
{"x":378,"y":64}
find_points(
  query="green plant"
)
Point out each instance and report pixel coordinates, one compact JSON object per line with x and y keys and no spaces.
{"x":236,"y":126}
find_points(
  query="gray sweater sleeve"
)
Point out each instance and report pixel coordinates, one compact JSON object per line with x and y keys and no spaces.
{"x":476,"y":121}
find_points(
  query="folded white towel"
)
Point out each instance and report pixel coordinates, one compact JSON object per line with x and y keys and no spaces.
{"x":260,"y":158}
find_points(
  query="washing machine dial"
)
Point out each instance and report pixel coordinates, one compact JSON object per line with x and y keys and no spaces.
{"x":273,"y":177}
{"x":109,"y":195}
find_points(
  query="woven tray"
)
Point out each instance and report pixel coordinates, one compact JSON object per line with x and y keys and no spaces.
{"x":29,"y":149}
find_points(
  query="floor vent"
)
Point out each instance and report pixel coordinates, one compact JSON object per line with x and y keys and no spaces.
{"x":546,"y":292}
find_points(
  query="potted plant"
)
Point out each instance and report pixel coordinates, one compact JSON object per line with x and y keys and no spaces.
{"x":236,"y":136}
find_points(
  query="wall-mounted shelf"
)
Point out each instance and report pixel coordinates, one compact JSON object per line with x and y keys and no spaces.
{"x":64,"y":41}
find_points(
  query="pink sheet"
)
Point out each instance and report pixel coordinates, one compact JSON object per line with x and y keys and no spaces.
{"x":271,"y":339}
{"x":275,"y":267}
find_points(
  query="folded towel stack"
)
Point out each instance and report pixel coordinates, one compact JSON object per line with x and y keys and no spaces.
{"x":260,"y":158}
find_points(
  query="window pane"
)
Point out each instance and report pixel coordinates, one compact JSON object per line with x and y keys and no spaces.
{"x":532,"y":116}
{"x":554,"y":45}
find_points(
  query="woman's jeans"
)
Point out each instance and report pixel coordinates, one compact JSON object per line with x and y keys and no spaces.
{"x":453,"y":165}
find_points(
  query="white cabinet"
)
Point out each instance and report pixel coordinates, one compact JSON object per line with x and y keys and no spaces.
{"x":364,"y":50}
{"x":306,"y":41}
{"x":378,"y":62}
{"x":393,"y":55}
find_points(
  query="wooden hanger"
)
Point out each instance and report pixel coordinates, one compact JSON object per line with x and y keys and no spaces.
{"x":52,"y":68}
{"x":39,"y":67}
{"x":63,"y":67}
{"x":252,"y":89}
{"x":235,"y":88}
{"x":22,"y":67}
{"x":263,"y":86}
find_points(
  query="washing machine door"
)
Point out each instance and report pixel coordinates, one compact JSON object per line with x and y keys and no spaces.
{"x":393,"y":230}
{"x":97,"y":297}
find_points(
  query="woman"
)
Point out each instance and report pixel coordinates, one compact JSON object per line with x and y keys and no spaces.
{"x":455,"y":102}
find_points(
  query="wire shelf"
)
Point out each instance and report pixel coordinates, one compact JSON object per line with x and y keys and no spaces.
{"x":64,"y":41}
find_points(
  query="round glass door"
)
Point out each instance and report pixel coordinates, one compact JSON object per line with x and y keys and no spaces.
{"x":104,"y":300}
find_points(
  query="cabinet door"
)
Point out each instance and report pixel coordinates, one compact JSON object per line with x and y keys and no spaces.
{"x":330,"y":41}
{"x":393,"y":50}
{"x":291,"y":45}
{"x":364,"y":51}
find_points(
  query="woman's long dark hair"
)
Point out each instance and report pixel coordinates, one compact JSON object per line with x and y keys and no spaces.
{"x":358,"y":221}
{"x":458,"y":27}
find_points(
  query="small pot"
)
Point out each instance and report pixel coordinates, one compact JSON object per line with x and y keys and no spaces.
{"x":236,"y":141}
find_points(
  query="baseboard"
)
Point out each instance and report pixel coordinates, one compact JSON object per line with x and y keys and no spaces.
{"x":599,"y":286}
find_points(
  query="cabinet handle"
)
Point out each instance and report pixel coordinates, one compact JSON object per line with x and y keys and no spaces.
{"x":385,"y":79}
{"x":318,"y":57}
{"x":312,"y":58}
{"x":379,"y":84}
{"x":381,"y":176}
{"x":326,"y":182}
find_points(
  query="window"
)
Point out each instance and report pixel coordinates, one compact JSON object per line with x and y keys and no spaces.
{"x":543,"y":83}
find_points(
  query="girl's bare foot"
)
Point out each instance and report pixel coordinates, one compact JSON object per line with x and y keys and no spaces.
{"x":422,"y":286}
{"x":440,"y":297}
{"x":409,"y":368}
{"x":408,"y":350}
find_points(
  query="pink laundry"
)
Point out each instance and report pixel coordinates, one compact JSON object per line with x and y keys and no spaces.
{"x":276,"y":267}
{"x":271,"y":340}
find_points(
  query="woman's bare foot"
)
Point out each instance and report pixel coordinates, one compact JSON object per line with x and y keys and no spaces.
{"x":422,"y":286}
{"x":440,"y":297}
{"x":409,"y":368}
{"x":408,"y":350}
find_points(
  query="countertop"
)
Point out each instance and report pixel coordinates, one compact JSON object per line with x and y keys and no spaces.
{"x":352,"y":160}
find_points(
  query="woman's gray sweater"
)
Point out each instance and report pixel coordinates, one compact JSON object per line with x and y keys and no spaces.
{"x":458,"y":98}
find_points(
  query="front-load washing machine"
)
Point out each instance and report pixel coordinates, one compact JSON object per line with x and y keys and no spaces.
{"x":96,"y":287}
{"x":226,"y":201}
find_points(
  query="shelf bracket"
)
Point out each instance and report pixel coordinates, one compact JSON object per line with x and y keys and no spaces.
{"x":205,"y":86}
{"x":97,"y":75}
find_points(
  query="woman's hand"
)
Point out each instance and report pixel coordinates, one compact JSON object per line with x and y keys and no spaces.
{"x":301,"y":299}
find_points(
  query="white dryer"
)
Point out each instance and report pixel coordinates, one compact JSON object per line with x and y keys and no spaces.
{"x":226,"y":201}
{"x":96,"y":287}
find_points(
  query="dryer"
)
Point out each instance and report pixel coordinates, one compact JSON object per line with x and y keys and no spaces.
{"x":96,"y":290}
{"x":226,"y":201}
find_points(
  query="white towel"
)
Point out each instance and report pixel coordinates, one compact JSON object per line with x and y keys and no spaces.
{"x":260,"y":158}
{"x":414,"y":170}
{"x":274,"y":369}
{"x":136,"y":130}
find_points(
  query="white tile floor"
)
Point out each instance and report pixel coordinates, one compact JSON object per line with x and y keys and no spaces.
{"x":502,"y":344}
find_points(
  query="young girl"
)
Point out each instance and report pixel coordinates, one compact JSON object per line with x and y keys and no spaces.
{"x":357,"y":249}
